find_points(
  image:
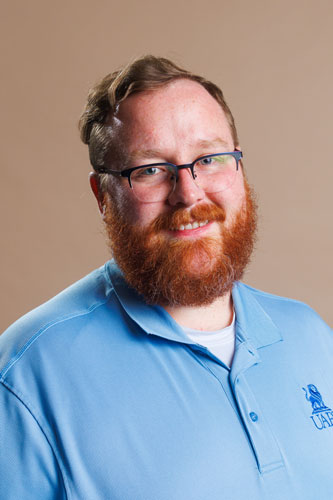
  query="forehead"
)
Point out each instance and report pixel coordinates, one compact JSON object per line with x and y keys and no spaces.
{"x":177,"y":113}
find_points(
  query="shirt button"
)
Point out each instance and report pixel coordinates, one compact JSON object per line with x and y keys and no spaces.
{"x":253,"y":416}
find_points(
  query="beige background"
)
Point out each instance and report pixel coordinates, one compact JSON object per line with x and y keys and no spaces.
{"x":273,"y":59}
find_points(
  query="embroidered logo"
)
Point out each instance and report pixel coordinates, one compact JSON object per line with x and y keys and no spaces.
{"x":322,"y":415}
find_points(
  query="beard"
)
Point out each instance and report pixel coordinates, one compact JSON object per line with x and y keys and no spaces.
{"x":173,"y":272}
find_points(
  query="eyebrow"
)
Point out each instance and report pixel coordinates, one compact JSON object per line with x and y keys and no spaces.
{"x":146,"y":154}
{"x":212,"y":143}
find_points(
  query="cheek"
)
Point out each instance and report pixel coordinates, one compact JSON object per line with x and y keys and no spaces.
{"x":119,"y":199}
{"x":132,"y":210}
{"x":143,"y":214}
{"x":236,"y":194}
{"x":232,"y":199}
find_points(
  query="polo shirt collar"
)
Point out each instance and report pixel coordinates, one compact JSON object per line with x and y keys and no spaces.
{"x":253,"y":324}
{"x":154,"y":320}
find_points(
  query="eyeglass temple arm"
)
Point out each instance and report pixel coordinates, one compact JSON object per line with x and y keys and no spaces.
{"x":116,"y":173}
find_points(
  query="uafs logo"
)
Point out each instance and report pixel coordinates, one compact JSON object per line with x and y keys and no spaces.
{"x":322,"y":416}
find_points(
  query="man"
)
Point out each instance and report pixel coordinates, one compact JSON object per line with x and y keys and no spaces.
{"x":160,"y":376}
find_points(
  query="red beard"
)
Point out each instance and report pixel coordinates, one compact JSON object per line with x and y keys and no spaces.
{"x":183,"y":273}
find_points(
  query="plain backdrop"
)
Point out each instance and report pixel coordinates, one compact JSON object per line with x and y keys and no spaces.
{"x":273,"y":60}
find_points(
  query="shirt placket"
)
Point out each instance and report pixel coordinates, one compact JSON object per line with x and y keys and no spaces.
{"x":265,"y":447}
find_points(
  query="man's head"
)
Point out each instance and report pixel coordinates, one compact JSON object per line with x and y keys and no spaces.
{"x":187,"y":246}
{"x":144,"y":74}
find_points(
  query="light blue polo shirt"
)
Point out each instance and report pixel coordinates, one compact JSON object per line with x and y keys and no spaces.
{"x":103,"y":397}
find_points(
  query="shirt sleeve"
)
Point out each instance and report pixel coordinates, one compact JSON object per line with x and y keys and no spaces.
{"x":28,"y":466}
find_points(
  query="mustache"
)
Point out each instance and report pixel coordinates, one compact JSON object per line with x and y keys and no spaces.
{"x":200,"y":213}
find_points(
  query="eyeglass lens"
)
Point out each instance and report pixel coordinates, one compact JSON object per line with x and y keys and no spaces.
{"x":213,"y":174}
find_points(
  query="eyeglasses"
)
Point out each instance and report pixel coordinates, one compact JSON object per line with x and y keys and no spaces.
{"x":156,"y":181}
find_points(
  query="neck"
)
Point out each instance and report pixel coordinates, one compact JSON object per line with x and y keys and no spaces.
{"x":215,"y":316}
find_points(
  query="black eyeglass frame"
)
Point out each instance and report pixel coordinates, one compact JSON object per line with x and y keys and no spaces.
{"x":175,"y":168}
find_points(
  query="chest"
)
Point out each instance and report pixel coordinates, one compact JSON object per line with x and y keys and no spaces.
{"x":166,"y":423}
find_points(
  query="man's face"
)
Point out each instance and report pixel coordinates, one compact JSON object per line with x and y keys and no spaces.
{"x":178,"y":123}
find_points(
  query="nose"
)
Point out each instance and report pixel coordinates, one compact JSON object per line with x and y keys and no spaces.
{"x":186,"y":191}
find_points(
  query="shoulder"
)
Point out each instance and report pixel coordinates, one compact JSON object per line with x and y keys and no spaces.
{"x":285,"y":311}
{"x":80,"y":300}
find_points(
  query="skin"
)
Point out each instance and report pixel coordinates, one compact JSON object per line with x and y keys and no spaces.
{"x":176,"y":123}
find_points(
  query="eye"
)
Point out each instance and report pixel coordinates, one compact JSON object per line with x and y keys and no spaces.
{"x":206,"y":161}
{"x":147,"y":172}
{"x":150,"y":174}
{"x":214,"y":161}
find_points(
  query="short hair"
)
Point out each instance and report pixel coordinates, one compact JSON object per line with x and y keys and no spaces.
{"x":143,"y":74}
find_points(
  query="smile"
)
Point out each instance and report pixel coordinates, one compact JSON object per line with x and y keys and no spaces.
{"x":193,"y":225}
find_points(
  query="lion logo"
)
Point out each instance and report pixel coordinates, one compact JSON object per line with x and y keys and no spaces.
{"x":314,"y":397}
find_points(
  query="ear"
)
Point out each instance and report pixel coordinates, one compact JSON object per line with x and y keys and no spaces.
{"x":95,"y":187}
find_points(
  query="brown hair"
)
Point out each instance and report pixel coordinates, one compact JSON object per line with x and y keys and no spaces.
{"x":145,"y":73}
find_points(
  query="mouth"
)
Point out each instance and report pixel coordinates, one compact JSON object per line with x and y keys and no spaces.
{"x":192,"y":230}
{"x":190,"y":226}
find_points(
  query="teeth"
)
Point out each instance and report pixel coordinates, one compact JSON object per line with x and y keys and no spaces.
{"x":203,"y":223}
{"x":194,"y":225}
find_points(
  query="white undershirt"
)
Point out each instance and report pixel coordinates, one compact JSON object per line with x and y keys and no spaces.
{"x":220,"y":342}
